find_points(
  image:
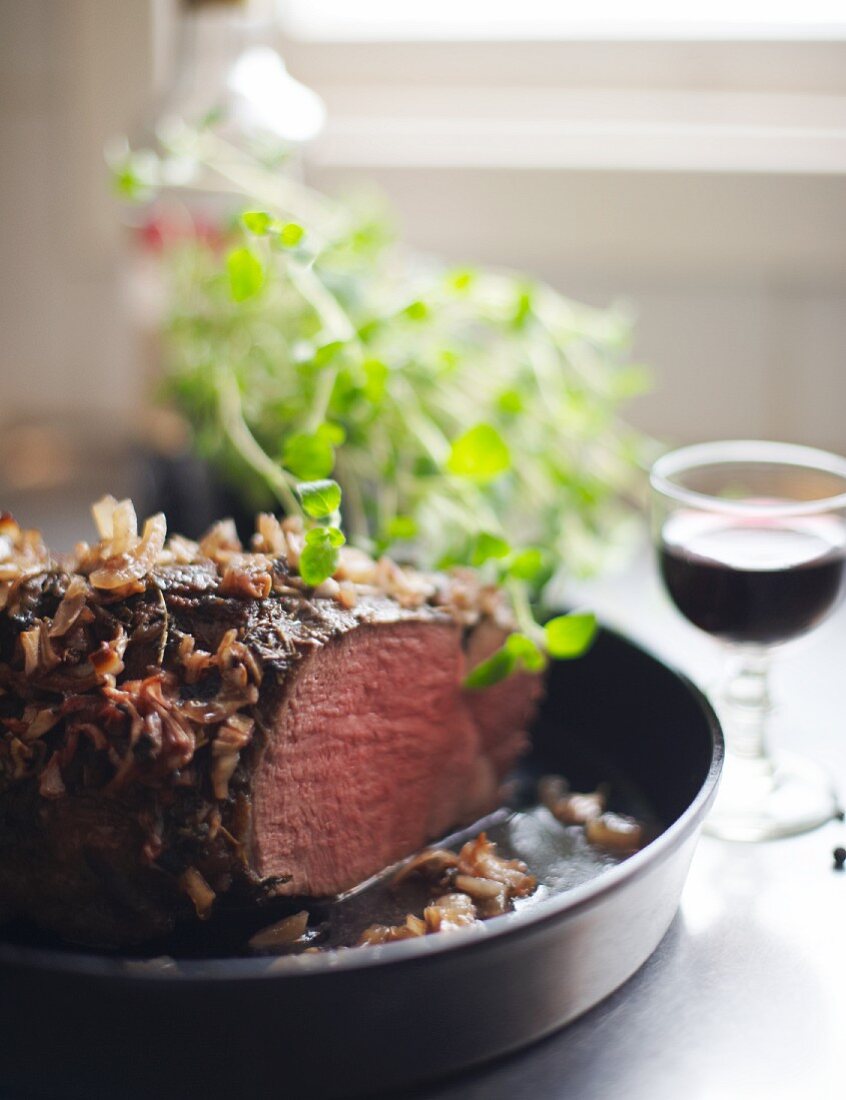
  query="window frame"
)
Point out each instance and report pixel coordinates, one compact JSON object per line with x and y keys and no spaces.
{"x":771,"y":106}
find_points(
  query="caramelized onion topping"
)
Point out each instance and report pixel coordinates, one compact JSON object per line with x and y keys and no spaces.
{"x":82,"y":723}
{"x":71,"y":607}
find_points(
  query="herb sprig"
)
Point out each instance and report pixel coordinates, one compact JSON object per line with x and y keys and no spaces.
{"x":464,"y":416}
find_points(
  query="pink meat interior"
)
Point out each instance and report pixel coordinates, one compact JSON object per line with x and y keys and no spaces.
{"x":374,"y":751}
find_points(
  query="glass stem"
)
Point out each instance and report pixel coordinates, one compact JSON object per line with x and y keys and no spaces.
{"x":747,"y":704}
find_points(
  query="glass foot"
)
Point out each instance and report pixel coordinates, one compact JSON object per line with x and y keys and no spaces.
{"x":768,"y":797}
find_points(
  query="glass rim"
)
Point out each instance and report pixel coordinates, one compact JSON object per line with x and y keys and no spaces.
{"x":740,"y":451}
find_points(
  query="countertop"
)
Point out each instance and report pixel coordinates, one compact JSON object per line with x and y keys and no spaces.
{"x":745,"y":997}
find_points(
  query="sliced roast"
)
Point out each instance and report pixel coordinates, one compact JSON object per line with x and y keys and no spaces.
{"x":176,"y":743}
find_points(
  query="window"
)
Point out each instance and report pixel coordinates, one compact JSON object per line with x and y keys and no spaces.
{"x":687,"y":155}
{"x":506,"y":19}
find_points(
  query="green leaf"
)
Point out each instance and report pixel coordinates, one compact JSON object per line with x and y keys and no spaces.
{"x":401,"y":528}
{"x":489,"y":546}
{"x":326,"y":353}
{"x":128,"y":184}
{"x":320,"y":536}
{"x":527,"y":565}
{"x":135,"y":174}
{"x":461,"y":280}
{"x":493,"y":670}
{"x":375,"y":380}
{"x":333,"y":434}
{"x":291,"y":234}
{"x":319,"y":498}
{"x":449,"y":560}
{"x":631,"y":381}
{"x":522,"y":308}
{"x":319,"y":558}
{"x":257,"y":221}
{"x":527,"y":653}
{"x":370,"y":328}
{"x":517,"y":652}
{"x":416,"y":311}
{"x":570,"y":636}
{"x":308,"y":455}
{"x":246,"y":274}
{"x":510,"y":402}
{"x":480,"y":455}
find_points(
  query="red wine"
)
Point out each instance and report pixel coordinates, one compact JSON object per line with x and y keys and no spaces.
{"x":749,"y":582}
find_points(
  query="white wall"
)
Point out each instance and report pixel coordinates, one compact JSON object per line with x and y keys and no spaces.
{"x":739,"y":282}
{"x":734,"y":255}
{"x":72,"y":73}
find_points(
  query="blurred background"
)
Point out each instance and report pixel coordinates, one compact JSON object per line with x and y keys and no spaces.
{"x":686,"y":159}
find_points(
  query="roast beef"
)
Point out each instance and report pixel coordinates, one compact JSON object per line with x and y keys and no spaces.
{"x":189,"y":726}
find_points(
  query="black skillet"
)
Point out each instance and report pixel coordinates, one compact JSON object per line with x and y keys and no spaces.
{"x":382,"y":1019}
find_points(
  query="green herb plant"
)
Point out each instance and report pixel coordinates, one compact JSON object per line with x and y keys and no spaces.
{"x":466,"y":417}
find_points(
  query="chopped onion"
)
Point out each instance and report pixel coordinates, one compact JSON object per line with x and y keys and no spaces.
{"x":282,"y":934}
{"x":70,"y":608}
{"x":616,"y":833}
{"x":50,"y":782}
{"x":199,"y":891}
{"x":103,"y":512}
{"x":449,"y":913}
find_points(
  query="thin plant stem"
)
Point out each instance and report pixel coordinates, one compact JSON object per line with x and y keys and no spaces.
{"x":248,"y":447}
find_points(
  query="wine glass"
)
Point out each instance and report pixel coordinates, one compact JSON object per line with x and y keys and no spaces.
{"x":751,"y":541}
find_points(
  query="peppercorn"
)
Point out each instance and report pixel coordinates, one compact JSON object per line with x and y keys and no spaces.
{"x":839,"y":858}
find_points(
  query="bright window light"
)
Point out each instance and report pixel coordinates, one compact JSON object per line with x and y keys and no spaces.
{"x":466,"y":19}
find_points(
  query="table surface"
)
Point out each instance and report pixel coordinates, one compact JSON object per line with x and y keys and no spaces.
{"x":746,"y":995}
